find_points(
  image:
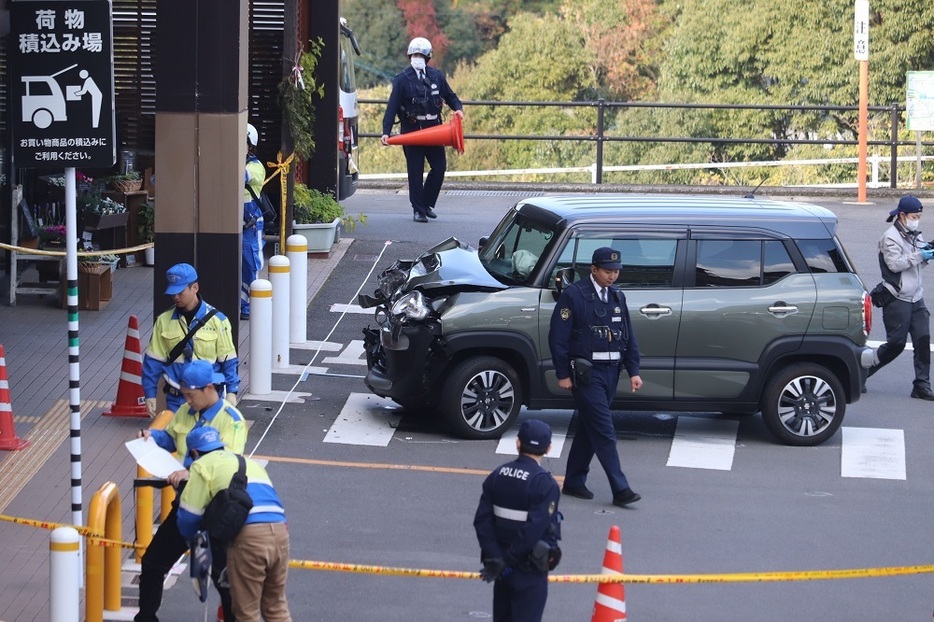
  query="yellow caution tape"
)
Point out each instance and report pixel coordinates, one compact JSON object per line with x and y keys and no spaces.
{"x":282,"y":170}
{"x":668,"y":579}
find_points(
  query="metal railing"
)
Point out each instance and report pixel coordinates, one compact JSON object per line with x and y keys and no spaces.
{"x":601,"y":136}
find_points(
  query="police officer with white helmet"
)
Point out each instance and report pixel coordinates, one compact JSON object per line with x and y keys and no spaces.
{"x":418,"y":94}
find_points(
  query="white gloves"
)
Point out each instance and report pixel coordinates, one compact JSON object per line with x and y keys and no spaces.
{"x":151,"y":407}
{"x":231,"y":399}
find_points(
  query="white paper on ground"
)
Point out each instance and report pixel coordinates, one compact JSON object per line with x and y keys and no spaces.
{"x":153,"y":458}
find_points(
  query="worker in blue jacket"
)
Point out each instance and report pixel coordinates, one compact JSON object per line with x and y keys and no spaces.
{"x":518,"y":526}
{"x":591,"y":340}
{"x":418,"y":94}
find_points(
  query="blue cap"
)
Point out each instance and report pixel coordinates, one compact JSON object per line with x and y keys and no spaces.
{"x":199,"y":374}
{"x":907,"y":204}
{"x":204,"y":439}
{"x":179,"y":276}
{"x":607,"y":258}
{"x":535,"y":436}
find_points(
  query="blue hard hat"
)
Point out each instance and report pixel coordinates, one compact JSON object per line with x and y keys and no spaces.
{"x":204,"y":439}
{"x":199,"y":374}
{"x":180,"y":276}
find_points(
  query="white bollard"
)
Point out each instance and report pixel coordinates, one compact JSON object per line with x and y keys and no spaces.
{"x":279,"y":277}
{"x":64,"y":574}
{"x":261,"y":337}
{"x":296,"y":249}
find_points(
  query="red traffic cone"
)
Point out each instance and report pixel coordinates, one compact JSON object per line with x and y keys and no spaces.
{"x":131,"y":402}
{"x":610,"y":605}
{"x":8,"y":439}
{"x":450,"y":134}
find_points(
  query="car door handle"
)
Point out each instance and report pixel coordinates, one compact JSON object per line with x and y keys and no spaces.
{"x":654,"y":311}
{"x":781,"y":309}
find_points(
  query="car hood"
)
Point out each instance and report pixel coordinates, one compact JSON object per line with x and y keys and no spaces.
{"x":451,"y":265}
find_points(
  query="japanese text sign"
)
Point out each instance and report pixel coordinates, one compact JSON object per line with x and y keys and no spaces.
{"x":62,"y":93}
{"x":861,"y":30}
{"x":919,"y":104}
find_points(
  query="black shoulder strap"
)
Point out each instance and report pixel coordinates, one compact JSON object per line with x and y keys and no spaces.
{"x":250,"y":189}
{"x":191,"y":331}
{"x":240,"y":477}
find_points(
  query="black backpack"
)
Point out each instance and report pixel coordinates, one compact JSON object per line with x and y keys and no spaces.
{"x":228,"y":510}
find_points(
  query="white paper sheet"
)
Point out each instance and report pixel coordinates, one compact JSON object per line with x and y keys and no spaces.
{"x":153,"y":458}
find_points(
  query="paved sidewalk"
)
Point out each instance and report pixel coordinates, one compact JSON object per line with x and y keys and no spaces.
{"x":35,"y":483}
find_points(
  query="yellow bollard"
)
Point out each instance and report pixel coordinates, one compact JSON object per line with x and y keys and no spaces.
{"x":102,"y":573}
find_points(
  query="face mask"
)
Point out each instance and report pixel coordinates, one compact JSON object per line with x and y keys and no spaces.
{"x":418,"y":63}
{"x":912,"y":225}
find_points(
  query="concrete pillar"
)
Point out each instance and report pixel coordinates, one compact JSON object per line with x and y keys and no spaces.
{"x":201,"y":115}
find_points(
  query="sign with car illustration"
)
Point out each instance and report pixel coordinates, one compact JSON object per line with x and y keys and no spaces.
{"x":62,"y":92}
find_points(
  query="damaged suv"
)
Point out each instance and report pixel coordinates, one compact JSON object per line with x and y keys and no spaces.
{"x":739,"y":304}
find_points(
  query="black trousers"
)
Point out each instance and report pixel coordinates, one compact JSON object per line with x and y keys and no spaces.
{"x":423,"y":195}
{"x":902,"y":319}
{"x":166,"y":547}
{"x":520,"y":597}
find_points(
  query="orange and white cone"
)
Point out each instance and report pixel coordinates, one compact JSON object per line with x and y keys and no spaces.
{"x":8,"y":439}
{"x":131,"y":402}
{"x":610,"y":605}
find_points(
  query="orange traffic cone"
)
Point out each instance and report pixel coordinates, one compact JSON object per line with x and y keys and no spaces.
{"x":450,"y":134}
{"x":8,"y":439}
{"x":610,"y":605}
{"x":130,"y":399}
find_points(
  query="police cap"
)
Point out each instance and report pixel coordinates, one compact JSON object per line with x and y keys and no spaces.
{"x":606,"y":258}
{"x":535,"y":436}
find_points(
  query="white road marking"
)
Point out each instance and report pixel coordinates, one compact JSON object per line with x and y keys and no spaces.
{"x":353,"y":354}
{"x":278,"y":396}
{"x":558,"y":420}
{"x":362,"y":421}
{"x":314,"y":346}
{"x":702,"y":443}
{"x":873,"y":453}
{"x":341,"y":308}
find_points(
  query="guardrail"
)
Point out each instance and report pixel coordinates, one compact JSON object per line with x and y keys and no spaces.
{"x":600,"y":135}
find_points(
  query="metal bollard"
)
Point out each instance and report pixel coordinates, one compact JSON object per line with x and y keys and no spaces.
{"x":296,"y":249}
{"x":261,"y":337}
{"x":64,"y":574}
{"x":279,"y":277}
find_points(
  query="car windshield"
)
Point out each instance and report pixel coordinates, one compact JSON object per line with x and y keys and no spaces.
{"x":512,"y":253}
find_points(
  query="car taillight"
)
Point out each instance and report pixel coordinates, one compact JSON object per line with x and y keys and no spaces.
{"x":867,"y":313}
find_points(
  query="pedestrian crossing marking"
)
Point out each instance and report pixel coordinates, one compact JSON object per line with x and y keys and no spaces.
{"x":362,"y":421}
{"x":704,"y":443}
{"x":874,"y":453}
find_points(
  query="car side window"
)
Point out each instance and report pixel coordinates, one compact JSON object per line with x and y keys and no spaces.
{"x":648,"y":262}
{"x":823,"y":256}
{"x":741,"y":263}
{"x":728,"y":263}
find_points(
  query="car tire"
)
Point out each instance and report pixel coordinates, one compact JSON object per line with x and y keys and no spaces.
{"x":481,"y":398}
{"x":803,"y":405}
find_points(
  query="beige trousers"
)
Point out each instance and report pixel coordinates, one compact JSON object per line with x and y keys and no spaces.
{"x":257,"y":567}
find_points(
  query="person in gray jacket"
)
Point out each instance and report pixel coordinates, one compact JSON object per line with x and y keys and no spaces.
{"x":902,"y":254}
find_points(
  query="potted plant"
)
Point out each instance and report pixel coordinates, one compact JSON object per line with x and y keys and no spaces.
{"x":146,"y":227}
{"x":125,"y":182}
{"x":317,"y":216}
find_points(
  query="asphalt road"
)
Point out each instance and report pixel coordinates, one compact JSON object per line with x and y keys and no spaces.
{"x":409,"y":502}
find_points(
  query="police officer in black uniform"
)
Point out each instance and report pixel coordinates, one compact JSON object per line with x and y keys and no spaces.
{"x":591,"y":339}
{"x":418,"y":93}
{"x":518,"y":526}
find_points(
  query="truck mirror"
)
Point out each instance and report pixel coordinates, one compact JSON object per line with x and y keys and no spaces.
{"x":563,"y":278}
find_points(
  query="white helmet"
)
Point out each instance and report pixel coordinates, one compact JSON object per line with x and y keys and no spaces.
{"x":420,"y":45}
{"x":252,"y":136}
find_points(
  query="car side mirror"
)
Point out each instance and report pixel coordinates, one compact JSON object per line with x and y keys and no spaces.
{"x":482,"y":242}
{"x":563,"y":278}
